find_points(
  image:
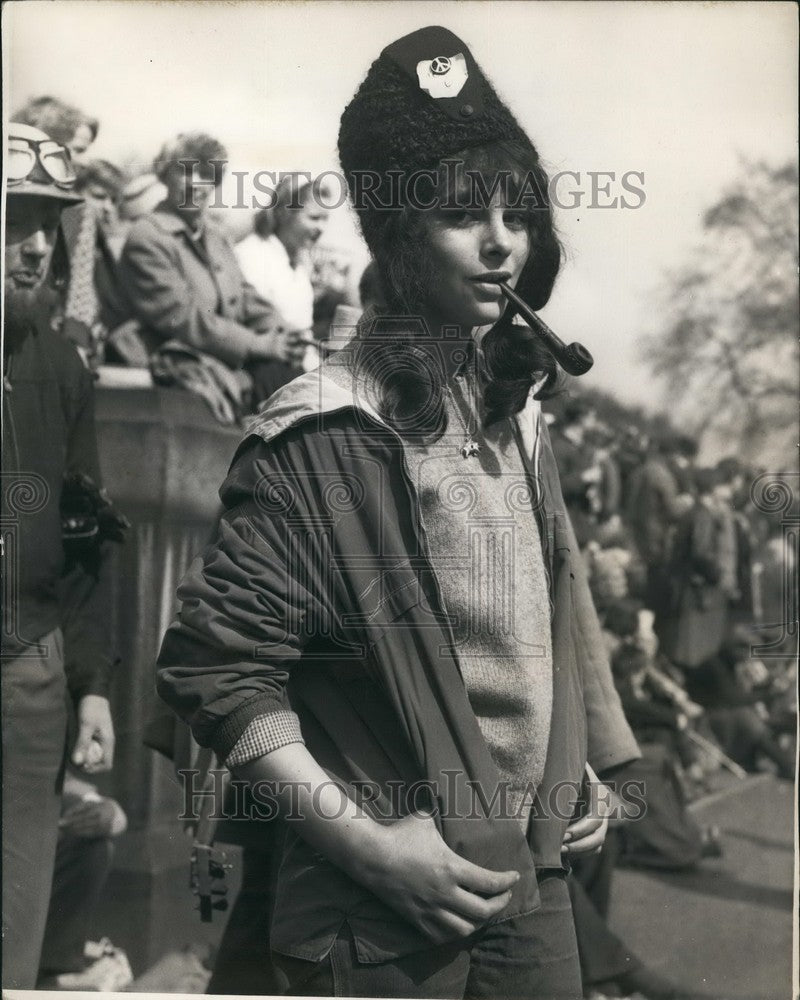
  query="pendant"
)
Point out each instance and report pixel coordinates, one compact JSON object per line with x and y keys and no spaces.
{"x":470,"y":448}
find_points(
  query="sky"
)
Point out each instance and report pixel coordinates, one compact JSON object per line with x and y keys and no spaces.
{"x":677,"y":92}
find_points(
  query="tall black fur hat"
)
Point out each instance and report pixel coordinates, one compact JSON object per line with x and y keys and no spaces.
{"x":423,"y":99}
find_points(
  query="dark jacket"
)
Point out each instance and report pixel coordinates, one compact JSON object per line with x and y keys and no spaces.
{"x":319,"y":598}
{"x":652,"y":507}
{"x":48,"y":432}
{"x":697,"y":620}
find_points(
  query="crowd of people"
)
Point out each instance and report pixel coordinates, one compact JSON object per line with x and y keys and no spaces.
{"x":686,"y":577}
{"x":682,"y":567}
{"x":156,"y":281}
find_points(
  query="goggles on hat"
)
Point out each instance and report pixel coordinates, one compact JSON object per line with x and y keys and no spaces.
{"x":23,"y":155}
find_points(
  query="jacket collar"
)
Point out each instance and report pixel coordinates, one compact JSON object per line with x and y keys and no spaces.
{"x":333,"y":387}
{"x":168,"y":220}
{"x":327,"y":389}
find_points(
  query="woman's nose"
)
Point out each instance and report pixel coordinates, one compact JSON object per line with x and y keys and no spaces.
{"x":497,"y":238}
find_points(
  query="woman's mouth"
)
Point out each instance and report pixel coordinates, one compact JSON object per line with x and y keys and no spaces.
{"x":491,"y":277}
{"x":489,"y":282}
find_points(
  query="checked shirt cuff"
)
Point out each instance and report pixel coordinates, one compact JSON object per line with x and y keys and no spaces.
{"x":264,"y":734}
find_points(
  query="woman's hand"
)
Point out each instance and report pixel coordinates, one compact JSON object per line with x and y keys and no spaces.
{"x":413,"y":871}
{"x":405,"y":864}
{"x":587,"y":835}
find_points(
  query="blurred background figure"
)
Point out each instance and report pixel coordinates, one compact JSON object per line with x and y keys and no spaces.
{"x":654,"y":504}
{"x":95,"y":303}
{"x":100,"y":183}
{"x":660,"y":714}
{"x":605,"y":492}
{"x":61,"y":121}
{"x":682,"y":458}
{"x":694,"y":603}
{"x":334,"y":279}
{"x":580,"y":473}
{"x":140,"y":196}
{"x":276,"y":257}
{"x":208,"y":326}
{"x":339,"y":329}
{"x":745,"y":703}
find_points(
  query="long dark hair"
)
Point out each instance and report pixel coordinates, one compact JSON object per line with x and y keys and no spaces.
{"x":392,"y":347}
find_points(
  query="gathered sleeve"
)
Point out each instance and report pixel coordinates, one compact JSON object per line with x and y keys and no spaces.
{"x":248,"y":608}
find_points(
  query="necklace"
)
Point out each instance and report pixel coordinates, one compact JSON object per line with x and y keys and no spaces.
{"x":470,"y":446}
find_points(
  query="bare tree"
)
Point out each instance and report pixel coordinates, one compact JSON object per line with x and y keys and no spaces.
{"x":727,"y":338}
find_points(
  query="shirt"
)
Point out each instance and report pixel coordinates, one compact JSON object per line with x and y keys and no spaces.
{"x":266,"y":265}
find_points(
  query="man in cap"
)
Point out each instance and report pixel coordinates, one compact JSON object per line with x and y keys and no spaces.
{"x":54,"y":522}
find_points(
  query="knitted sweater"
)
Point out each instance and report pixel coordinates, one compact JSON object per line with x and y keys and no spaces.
{"x":485,"y":547}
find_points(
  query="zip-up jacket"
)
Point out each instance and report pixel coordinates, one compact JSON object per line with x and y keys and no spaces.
{"x":317,"y":615}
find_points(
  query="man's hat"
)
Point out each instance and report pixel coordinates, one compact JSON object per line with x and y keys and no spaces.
{"x":424,"y":98}
{"x":36,"y":165}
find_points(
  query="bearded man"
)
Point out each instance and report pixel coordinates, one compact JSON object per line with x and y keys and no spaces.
{"x":55,"y":527}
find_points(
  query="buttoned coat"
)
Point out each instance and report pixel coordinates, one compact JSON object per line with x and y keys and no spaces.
{"x":188,"y":287}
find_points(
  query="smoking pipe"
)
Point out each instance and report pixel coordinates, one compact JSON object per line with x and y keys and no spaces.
{"x":573,"y":358}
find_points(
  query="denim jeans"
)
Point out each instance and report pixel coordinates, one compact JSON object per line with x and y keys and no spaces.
{"x":532,"y":956}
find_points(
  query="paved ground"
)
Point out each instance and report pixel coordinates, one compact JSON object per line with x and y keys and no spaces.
{"x":726,"y":929}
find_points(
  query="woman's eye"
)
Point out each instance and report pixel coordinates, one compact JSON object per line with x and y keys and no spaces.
{"x":516,"y":220}
{"x":457,"y":216}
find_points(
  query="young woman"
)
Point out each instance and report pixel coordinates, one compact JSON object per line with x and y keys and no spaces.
{"x":274,"y":258}
{"x":392,"y":632}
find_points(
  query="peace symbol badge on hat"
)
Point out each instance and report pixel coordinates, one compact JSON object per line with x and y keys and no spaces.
{"x":443,"y":76}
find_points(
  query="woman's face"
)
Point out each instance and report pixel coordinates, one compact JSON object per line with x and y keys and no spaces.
{"x":81,"y":141}
{"x":470,"y":252}
{"x":189,"y":190}
{"x":300,"y":228}
{"x":102,"y":202}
